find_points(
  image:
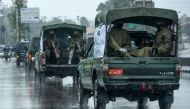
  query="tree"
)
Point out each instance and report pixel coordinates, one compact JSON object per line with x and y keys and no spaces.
{"x":55,"y":20}
{"x":12,"y":16}
{"x":185,"y":29}
{"x":70,"y":21}
{"x":84,"y":21}
{"x":111,"y":4}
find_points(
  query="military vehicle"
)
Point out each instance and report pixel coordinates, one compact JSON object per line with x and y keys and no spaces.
{"x":34,"y":45}
{"x":21,"y":49}
{"x":46,"y":61}
{"x":135,"y":78}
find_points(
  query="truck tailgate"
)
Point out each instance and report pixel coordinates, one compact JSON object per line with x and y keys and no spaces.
{"x":145,"y":68}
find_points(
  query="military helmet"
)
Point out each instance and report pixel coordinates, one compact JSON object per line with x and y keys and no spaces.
{"x":76,"y":33}
{"x":51,"y":32}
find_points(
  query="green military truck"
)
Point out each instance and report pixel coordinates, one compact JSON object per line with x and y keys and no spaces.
{"x":132,"y":77}
{"x":53,"y":56}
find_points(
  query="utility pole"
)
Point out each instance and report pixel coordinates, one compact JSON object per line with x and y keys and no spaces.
{"x":17,"y":24}
{"x":144,"y":3}
{"x":78,"y":20}
{"x":18,"y":4}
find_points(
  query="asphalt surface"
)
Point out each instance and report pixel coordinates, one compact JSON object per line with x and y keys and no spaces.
{"x":20,"y":90}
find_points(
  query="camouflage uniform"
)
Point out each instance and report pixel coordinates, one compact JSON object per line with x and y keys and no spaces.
{"x":52,"y":47}
{"x":75,"y":46}
{"x":119,"y":38}
{"x":163,"y":42}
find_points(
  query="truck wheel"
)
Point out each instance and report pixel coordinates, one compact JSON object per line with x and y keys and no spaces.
{"x":165,"y":100}
{"x":142,"y":103}
{"x":75,"y":77}
{"x":18,"y":63}
{"x":83,"y":96}
{"x":99,"y":97}
{"x":164,"y":105}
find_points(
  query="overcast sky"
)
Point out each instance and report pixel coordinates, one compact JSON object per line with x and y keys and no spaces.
{"x":73,"y":8}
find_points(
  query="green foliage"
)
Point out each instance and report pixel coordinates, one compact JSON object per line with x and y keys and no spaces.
{"x":12,"y":18}
{"x":111,"y":4}
{"x":55,"y":20}
{"x":84,"y":21}
{"x":185,"y":29}
{"x":13,"y":14}
{"x":70,"y":21}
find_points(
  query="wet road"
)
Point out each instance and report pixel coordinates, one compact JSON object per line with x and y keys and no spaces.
{"x":18,"y":90}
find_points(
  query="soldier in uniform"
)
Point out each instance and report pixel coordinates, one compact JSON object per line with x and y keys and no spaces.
{"x":163,"y":42}
{"x":119,"y":41}
{"x":75,"y":46}
{"x":51,"y":46}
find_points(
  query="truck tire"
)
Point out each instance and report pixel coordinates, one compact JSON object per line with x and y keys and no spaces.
{"x":18,"y":63}
{"x":165,"y":100}
{"x":99,"y":97}
{"x":142,"y":103}
{"x":164,"y":105}
{"x":75,"y":77}
{"x":83,"y":96}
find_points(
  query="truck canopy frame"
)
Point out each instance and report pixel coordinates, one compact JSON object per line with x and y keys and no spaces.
{"x":139,"y":15}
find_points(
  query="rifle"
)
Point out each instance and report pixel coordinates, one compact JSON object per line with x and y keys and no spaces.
{"x":78,"y":45}
{"x":55,"y":50}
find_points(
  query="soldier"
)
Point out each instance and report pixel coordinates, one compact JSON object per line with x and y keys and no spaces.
{"x":163,"y":42}
{"x":51,"y":45}
{"x":119,"y":41}
{"x":75,"y":46}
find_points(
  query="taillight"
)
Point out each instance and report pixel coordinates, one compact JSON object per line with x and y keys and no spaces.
{"x":105,"y":69}
{"x":116,"y":72}
{"x":43,"y":58}
{"x":178,"y":70}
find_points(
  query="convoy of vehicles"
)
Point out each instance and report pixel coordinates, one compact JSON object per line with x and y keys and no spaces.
{"x":103,"y":76}
{"x":135,"y":78}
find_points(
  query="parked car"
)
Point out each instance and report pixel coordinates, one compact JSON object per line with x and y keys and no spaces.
{"x":135,"y":78}
{"x":21,"y":50}
{"x":46,"y":61}
{"x":34,"y":45}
